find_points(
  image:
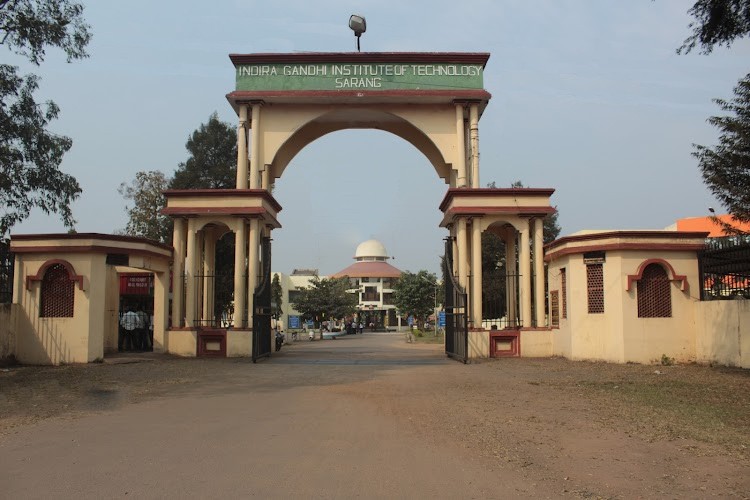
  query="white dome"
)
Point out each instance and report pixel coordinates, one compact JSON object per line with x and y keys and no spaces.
{"x":371,"y":249}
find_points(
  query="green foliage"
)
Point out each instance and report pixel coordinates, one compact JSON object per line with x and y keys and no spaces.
{"x":726,"y":166}
{"x":144,"y":217}
{"x":212,"y":163}
{"x":30,"y":155}
{"x":666,"y":360}
{"x":326,"y":298}
{"x":28,"y":27}
{"x":277,"y":296}
{"x":717,"y":22}
{"x":414,"y":294}
{"x":493,"y":272}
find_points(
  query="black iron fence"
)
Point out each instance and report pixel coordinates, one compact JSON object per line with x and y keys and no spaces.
{"x":501,"y":302}
{"x":214,"y":301}
{"x":724,"y":266}
{"x":6,"y":273}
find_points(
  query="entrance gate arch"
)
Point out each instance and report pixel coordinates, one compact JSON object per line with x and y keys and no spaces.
{"x":286,"y":101}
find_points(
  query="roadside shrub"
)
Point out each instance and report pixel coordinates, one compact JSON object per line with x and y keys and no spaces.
{"x":666,"y":360}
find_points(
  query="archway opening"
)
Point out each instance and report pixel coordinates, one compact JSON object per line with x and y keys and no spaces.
{"x":350,"y":186}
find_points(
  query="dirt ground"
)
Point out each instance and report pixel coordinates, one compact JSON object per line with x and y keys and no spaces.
{"x":532,"y":427}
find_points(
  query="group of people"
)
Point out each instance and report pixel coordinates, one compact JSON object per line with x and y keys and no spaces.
{"x":135,"y":330}
{"x":352,"y":327}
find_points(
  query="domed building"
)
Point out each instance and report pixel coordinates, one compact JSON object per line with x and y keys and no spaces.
{"x":372,"y":279}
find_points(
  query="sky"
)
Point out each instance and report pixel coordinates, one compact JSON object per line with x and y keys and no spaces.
{"x":588,"y":98}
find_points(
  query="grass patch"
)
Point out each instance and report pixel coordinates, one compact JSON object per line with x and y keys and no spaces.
{"x":687,"y":402}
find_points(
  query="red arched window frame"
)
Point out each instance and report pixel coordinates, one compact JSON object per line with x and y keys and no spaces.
{"x":654,"y":290}
{"x":57,"y":295}
{"x":680,"y":279}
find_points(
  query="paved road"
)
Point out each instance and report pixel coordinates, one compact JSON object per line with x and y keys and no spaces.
{"x":285,"y":427}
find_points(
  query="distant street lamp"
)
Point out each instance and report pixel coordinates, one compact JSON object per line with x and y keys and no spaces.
{"x":358,"y":25}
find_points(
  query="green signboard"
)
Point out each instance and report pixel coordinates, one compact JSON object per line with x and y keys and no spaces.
{"x":354,"y":76}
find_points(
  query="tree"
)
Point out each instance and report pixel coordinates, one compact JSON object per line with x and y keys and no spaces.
{"x":277,"y":299}
{"x":144,"y":217}
{"x":212,"y":163}
{"x":717,"y":22}
{"x":326,"y":298}
{"x":726,"y":166}
{"x":414,"y":294}
{"x":30,"y":155}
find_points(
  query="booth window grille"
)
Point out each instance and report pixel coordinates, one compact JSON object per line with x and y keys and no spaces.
{"x":564,"y":286}
{"x":595,"y":288}
{"x":58,"y":292}
{"x":654,"y":293}
{"x":554,"y":306}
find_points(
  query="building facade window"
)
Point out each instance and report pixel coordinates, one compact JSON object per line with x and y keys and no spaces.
{"x":595,"y":288}
{"x":57,"y":293}
{"x":371,"y":294}
{"x":294,"y":296}
{"x":654,"y":293}
{"x":554,"y":308}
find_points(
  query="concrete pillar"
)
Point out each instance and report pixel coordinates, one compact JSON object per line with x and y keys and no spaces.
{"x":200,"y":280}
{"x":252,"y":268}
{"x":209,"y":270}
{"x":240,"y":241}
{"x":19,"y":280}
{"x":242,"y":149}
{"x":266,"y":178}
{"x":178,"y":268}
{"x":161,"y":304}
{"x":476,"y":273}
{"x":524,"y":268}
{"x":191,"y":266}
{"x":539,"y":273}
{"x":255,"y":145}
{"x":460,"y":147}
{"x":511,"y":269}
{"x":461,"y":254}
{"x":474,"y":134}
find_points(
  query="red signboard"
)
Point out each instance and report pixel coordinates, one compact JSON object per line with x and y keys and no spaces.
{"x":136,"y":284}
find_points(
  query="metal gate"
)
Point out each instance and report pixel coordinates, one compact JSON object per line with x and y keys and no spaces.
{"x":456,"y":317}
{"x":262,"y":304}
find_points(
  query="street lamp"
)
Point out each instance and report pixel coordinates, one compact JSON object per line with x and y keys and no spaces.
{"x":358,"y":25}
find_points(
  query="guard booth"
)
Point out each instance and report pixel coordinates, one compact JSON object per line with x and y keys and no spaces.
{"x":67,"y":293}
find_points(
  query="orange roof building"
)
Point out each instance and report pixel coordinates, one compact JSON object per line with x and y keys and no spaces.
{"x":708,"y":224}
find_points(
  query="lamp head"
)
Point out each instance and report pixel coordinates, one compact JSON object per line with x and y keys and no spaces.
{"x":357,"y":24}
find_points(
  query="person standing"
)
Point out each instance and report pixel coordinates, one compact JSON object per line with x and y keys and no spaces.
{"x":409,"y":331}
{"x":142,"y":330}
{"x":128,"y":325}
